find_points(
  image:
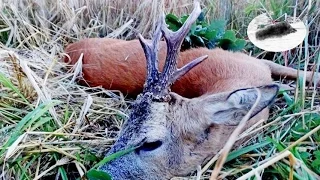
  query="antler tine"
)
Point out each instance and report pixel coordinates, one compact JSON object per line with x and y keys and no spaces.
{"x":175,"y":39}
{"x":186,"y":68}
{"x":151,"y":54}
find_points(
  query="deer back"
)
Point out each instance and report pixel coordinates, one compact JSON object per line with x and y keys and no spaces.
{"x":120,"y":65}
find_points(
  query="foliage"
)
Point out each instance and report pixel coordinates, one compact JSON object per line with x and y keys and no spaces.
{"x":98,"y":175}
{"x":275,"y":8}
{"x":94,"y":174}
{"x":205,"y":34}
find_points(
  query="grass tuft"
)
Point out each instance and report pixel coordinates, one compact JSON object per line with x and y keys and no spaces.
{"x":51,"y":127}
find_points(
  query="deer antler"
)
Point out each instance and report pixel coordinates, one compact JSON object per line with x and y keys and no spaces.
{"x":159,"y":83}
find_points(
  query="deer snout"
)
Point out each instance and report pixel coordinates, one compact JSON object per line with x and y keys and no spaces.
{"x":130,"y":166}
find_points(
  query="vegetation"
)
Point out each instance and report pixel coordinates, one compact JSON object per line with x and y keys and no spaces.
{"x":203,"y":34}
{"x":51,"y":127}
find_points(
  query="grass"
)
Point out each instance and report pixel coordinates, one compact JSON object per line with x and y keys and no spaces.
{"x":51,"y":127}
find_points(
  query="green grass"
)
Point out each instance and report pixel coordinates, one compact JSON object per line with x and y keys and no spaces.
{"x":46,"y":131}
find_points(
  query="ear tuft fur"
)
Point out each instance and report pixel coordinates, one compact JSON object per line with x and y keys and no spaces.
{"x":247,"y":97}
{"x":230,"y":110}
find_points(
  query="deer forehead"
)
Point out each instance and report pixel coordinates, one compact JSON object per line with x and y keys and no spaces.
{"x":163,"y":117}
{"x":155,"y":126}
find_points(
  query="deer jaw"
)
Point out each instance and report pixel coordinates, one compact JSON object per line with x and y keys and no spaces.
{"x":173,"y":138}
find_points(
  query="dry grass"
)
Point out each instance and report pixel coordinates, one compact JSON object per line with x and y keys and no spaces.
{"x":50,"y":126}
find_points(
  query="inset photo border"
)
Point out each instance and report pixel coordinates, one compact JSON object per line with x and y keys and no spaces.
{"x":276,"y":36}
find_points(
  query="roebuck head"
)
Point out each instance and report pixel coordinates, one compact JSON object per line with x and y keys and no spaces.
{"x":173,"y":134}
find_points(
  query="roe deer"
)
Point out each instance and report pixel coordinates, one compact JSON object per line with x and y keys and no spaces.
{"x":173,"y":134}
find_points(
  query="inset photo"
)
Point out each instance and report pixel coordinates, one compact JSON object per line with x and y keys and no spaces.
{"x":276,"y":36}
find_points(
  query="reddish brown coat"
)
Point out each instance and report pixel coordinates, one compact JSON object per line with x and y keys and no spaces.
{"x":120,"y":65}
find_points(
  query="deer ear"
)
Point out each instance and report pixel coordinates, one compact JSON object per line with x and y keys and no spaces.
{"x":233,"y":107}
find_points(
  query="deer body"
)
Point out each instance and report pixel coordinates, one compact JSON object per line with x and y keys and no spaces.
{"x":174,"y":132}
{"x":120,"y":65}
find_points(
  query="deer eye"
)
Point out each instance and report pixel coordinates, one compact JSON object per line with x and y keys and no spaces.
{"x":149,"y":146}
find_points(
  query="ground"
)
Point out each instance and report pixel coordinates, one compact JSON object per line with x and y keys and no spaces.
{"x":52,"y":127}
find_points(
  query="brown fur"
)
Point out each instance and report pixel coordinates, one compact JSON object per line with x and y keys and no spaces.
{"x":120,"y":65}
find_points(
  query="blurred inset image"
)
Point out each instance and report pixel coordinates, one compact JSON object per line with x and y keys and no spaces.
{"x":276,"y":35}
{"x":275,"y":30}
